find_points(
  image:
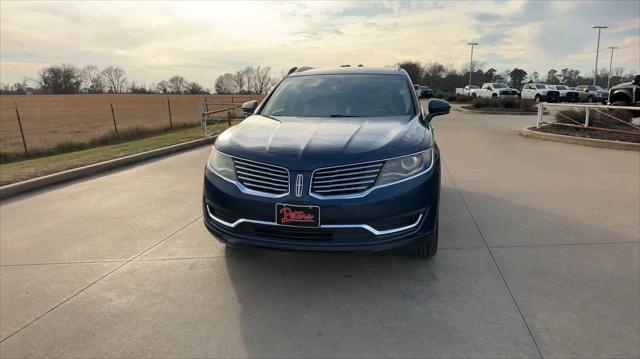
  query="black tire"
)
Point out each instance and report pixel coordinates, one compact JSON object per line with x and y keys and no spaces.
{"x":536,"y":99}
{"x":474,"y":95}
{"x":494,"y":95}
{"x":591,"y":99}
{"x":427,"y":247}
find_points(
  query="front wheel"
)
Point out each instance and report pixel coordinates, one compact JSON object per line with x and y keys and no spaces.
{"x":537,"y":99}
{"x":494,"y":96}
{"x":591,"y":99}
{"x":427,"y":247}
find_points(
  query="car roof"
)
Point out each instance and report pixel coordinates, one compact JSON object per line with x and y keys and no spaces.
{"x":350,"y":70}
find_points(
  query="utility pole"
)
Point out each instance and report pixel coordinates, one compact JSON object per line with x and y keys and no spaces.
{"x":610,"y":65}
{"x":595,"y":74}
{"x":471,"y":62}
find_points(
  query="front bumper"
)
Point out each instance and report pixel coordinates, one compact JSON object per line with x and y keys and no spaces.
{"x":392,"y":217}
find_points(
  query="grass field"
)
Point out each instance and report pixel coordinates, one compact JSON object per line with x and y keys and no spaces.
{"x":32,"y":168}
{"x":51,"y":120}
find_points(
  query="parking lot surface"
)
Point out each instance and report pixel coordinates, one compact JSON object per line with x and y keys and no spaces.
{"x":539,"y":253}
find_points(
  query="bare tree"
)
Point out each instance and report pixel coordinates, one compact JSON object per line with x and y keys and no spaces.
{"x":163,"y":86}
{"x":177,"y":84}
{"x":116,"y":79}
{"x":60,"y":79}
{"x":263,"y":80}
{"x":239,"y":80}
{"x":93,"y":78}
{"x":193,"y":88}
{"x":226,"y":84}
{"x":250,"y":77}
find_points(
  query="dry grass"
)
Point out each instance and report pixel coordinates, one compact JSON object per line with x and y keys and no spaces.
{"x":51,"y":120}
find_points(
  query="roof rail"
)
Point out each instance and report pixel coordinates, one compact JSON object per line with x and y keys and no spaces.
{"x":397,"y":67}
{"x":304,"y":68}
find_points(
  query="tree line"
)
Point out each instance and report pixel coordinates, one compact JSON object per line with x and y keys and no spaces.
{"x":447,"y":78}
{"x":70,"y":79}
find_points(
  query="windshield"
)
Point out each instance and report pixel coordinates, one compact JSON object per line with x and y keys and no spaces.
{"x":541,"y":86}
{"x":499,"y":86}
{"x":595,"y":88}
{"x":560,"y":87}
{"x":341,"y":96}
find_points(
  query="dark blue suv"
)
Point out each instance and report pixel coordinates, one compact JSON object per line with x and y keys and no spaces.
{"x":334,"y":160}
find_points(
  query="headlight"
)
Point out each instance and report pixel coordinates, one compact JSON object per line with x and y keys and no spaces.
{"x":221,"y":164}
{"x":404,"y":167}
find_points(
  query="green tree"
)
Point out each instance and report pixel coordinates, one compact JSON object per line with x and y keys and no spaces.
{"x":414,"y":70}
{"x":517,"y":76}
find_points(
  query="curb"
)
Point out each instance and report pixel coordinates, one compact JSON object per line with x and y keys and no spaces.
{"x":517,"y":113}
{"x":615,"y":145}
{"x":33,"y":184}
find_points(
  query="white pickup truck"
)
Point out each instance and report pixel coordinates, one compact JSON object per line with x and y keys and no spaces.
{"x":496,"y":89}
{"x":467,"y":90}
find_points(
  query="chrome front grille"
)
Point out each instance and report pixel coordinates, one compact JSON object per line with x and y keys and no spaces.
{"x":342,"y":180}
{"x":262,"y":177}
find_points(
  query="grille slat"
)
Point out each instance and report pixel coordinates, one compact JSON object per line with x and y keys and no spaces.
{"x":343,"y":180}
{"x":346,"y":179}
{"x":339,"y":184}
{"x":343,"y":189}
{"x":262,"y":177}
{"x":323,"y":172}
{"x":253,"y":175}
{"x":258,"y":170}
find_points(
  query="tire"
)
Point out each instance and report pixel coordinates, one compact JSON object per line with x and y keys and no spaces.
{"x":494,"y":95}
{"x":474,"y":95}
{"x":427,"y":247}
{"x":536,"y":99}
{"x":591,"y":99}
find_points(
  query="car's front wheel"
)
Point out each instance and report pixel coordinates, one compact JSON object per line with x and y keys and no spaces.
{"x":426,"y":247}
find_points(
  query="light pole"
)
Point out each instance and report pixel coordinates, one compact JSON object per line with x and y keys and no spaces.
{"x":610,"y":64}
{"x":471,"y":62}
{"x":595,"y":74}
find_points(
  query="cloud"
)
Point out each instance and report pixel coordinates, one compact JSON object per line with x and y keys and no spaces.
{"x":201,"y":40}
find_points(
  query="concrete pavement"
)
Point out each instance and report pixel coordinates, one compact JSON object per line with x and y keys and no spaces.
{"x":539,"y":258}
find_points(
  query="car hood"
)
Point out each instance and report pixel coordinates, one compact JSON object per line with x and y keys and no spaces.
{"x":624,"y":84}
{"x":308,"y":143}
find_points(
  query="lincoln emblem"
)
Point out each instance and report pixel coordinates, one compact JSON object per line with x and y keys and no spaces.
{"x":299,"y":185}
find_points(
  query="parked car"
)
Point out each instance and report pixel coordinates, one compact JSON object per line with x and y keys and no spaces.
{"x":567,"y":94}
{"x":423,"y":91}
{"x":426,"y":92}
{"x":540,"y":92}
{"x":592,"y":93}
{"x":468,"y":90}
{"x":626,"y":94}
{"x":319,"y":167}
{"x":496,"y":89}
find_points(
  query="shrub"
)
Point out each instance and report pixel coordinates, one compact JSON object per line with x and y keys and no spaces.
{"x":507,"y":102}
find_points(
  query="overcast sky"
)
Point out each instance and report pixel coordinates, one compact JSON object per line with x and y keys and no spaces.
{"x":201,"y":40}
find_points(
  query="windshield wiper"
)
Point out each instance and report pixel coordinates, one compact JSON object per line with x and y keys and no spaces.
{"x":338,"y":115}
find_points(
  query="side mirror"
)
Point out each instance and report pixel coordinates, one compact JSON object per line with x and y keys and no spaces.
{"x":249,"y":107}
{"x":437,"y":108}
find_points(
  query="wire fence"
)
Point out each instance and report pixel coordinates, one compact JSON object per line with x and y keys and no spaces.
{"x":41,"y":122}
{"x":596,"y":117}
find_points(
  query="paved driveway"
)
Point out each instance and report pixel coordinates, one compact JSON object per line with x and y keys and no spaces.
{"x":539,"y":258}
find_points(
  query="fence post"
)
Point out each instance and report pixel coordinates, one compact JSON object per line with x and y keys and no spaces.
{"x":229,"y":117}
{"x":540,"y":113}
{"x":115,"y":126}
{"x":586,"y":118}
{"x":233,"y":109}
{"x":203,"y":119}
{"x":24,"y":143}
{"x":170,"y":121}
